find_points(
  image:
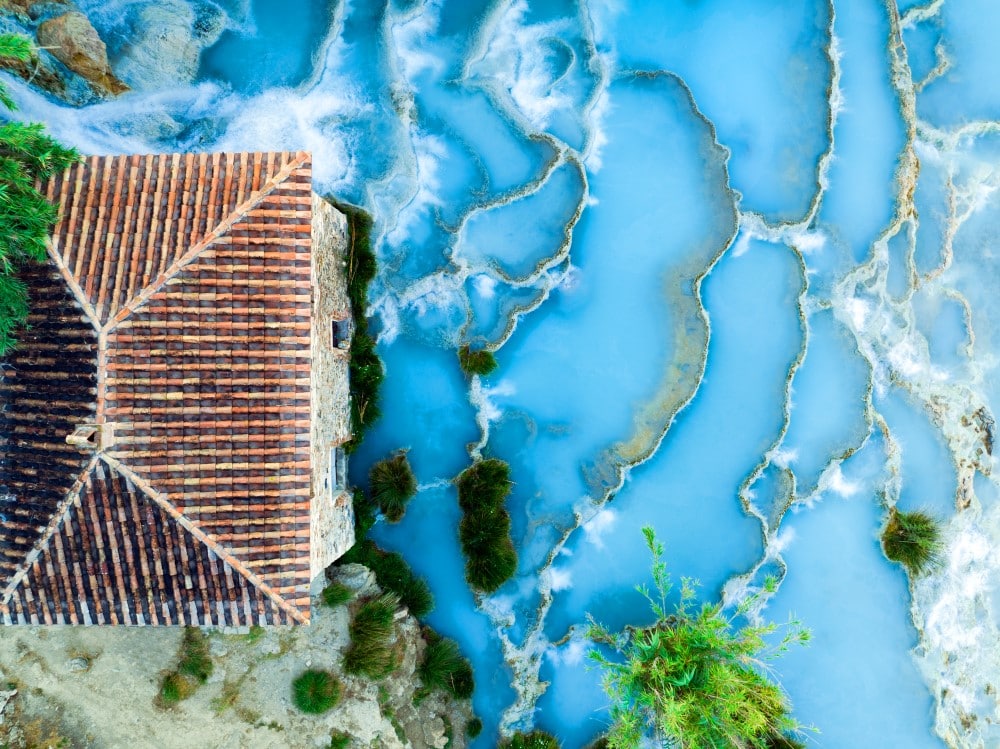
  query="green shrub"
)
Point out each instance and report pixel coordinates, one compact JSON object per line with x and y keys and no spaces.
{"x":336,"y":594}
{"x":533,"y":740}
{"x":444,"y":667}
{"x":474,"y":728}
{"x":393,"y":574}
{"x":484,"y":530}
{"x":913,"y":539}
{"x":315,"y":691}
{"x":29,"y":157}
{"x":489,"y":567}
{"x":692,"y":679}
{"x":484,"y":484}
{"x":339,"y":740}
{"x":600,"y":742}
{"x":480,"y":362}
{"x":392,"y":485}
{"x":195,"y":660}
{"x":370,"y":653}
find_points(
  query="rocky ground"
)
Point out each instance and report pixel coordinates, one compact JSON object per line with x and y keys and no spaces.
{"x":98,"y":687}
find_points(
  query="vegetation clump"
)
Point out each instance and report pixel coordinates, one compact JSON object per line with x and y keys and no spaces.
{"x":473,"y":728}
{"x":444,"y":667}
{"x":315,"y":692}
{"x":365,"y":367}
{"x":476,"y":361}
{"x":392,"y":485}
{"x":27,"y":156}
{"x":913,"y":539}
{"x":339,"y":740}
{"x":336,"y":594}
{"x":690,"y":679}
{"x":393,"y":574}
{"x":485,"y":527}
{"x":370,"y":652}
{"x":533,"y":740}
{"x":193,"y":668}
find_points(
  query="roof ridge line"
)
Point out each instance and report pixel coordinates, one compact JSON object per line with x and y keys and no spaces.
{"x":74,"y":287}
{"x":219,"y":231}
{"x":218,"y":549}
{"x":58,"y":518}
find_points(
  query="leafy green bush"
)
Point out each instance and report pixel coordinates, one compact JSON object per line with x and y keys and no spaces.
{"x":533,"y":740}
{"x":690,"y":679}
{"x":370,"y":653}
{"x":478,"y":362}
{"x":913,"y":539}
{"x":444,"y":667}
{"x":474,"y":728}
{"x":27,"y":156}
{"x":336,"y":594}
{"x":392,"y":485}
{"x":315,"y":691}
{"x":484,"y":530}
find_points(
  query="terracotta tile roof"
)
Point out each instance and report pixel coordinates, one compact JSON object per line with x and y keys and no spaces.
{"x":194,"y":272}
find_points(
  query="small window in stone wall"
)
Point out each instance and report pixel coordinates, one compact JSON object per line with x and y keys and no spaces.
{"x":338,"y":470}
{"x":340,"y":333}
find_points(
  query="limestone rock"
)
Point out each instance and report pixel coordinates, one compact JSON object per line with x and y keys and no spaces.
{"x":73,"y":40}
{"x":164,"y":42}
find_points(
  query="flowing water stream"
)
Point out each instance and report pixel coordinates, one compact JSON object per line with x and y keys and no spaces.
{"x":738,"y":264}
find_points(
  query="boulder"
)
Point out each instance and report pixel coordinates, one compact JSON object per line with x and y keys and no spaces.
{"x":74,"y":41}
{"x":164,"y":41}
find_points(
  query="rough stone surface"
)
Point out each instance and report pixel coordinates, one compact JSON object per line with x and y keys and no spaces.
{"x":332,"y":531}
{"x":162,"y":48}
{"x":246,"y":702}
{"x":73,"y":40}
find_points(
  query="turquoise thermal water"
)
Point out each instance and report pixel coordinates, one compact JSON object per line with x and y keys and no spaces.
{"x":738,"y":265}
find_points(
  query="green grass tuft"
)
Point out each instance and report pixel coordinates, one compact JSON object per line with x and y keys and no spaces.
{"x":533,"y":740}
{"x":315,"y":692}
{"x":176,"y":687}
{"x":476,"y":362}
{"x":473,"y":728}
{"x":913,"y":539}
{"x":370,"y":653}
{"x":195,"y":660}
{"x":336,"y":594}
{"x":339,"y":740}
{"x":392,"y":485}
{"x":485,"y":527}
{"x":444,"y":667}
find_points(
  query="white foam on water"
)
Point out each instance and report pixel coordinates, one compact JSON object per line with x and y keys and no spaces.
{"x":599,"y":113}
{"x":429,"y":151}
{"x":783,"y":456}
{"x":573,"y":653}
{"x":410,"y":37}
{"x":599,"y":525}
{"x":556,"y":579}
{"x":515,"y":57}
{"x":486,"y":286}
{"x":808,"y":242}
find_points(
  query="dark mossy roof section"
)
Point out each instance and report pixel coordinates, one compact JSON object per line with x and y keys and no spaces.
{"x":155,"y":462}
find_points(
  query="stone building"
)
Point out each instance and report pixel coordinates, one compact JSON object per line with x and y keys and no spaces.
{"x":171,"y":420}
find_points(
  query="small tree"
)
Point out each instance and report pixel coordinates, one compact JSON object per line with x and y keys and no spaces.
{"x":690,"y":679}
{"x":27,"y":155}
